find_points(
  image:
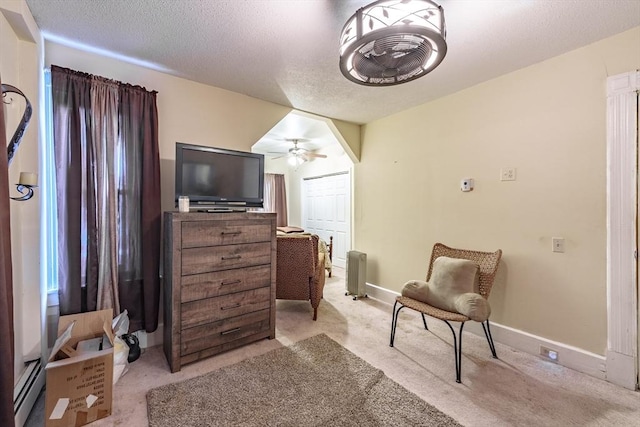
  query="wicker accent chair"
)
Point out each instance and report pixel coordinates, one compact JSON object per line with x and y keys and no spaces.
{"x":300,"y":273}
{"x":488,"y":266}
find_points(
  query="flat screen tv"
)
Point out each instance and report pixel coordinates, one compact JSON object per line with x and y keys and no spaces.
{"x":219,"y":178}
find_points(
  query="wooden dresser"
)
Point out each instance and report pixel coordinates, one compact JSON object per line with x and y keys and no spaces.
{"x":219,"y":282}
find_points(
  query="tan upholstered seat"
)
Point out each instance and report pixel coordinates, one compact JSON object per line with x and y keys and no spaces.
{"x":487,"y":265}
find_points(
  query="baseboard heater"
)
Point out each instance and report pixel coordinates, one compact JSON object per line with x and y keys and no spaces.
{"x":356,"y":274}
{"x":27,"y":390}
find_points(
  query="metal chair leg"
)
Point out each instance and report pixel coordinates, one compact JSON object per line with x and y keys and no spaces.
{"x":457,"y":349}
{"x":487,"y":333}
{"x":424,"y":320}
{"x":394,"y":322}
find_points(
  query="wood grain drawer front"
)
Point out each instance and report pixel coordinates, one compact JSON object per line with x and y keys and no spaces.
{"x":197,"y":234}
{"x":216,"y":258}
{"x":223,"y":331}
{"x":209,"y":310}
{"x":209,"y":285}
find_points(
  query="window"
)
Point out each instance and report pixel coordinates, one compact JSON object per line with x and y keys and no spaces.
{"x":49,"y":225}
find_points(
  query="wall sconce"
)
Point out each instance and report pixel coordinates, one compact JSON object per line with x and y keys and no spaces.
{"x":28,"y":181}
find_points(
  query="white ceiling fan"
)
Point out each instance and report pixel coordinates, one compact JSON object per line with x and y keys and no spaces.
{"x":298,"y":155}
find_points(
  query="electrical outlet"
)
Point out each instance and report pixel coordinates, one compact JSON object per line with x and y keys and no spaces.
{"x":549,"y":354}
{"x":508,"y":174}
{"x":557,"y":244}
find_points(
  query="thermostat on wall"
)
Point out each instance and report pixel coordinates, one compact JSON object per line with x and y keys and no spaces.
{"x":466,"y":184}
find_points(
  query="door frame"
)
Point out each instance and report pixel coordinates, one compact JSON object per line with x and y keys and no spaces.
{"x":622,"y":231}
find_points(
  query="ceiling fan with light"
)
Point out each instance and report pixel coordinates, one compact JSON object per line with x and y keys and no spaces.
{"x":298,"y":155}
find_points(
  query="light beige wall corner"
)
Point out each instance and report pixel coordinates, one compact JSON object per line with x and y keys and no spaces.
{"x":20,"y":66}
{"x":352,"y":138}
{"x":546,"y":120}
{"x":187,"y":111}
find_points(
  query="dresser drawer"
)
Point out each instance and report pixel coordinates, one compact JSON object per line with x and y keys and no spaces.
{"x":209,"y":310}
{"x":215,"y":258}
{"x":197,"y":234}
{"x":223,"y":331}
{"x":208,"y":285}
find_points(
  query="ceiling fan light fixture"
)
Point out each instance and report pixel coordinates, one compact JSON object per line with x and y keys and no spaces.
{"x":390,"y":42}
{"x":296,"y":160}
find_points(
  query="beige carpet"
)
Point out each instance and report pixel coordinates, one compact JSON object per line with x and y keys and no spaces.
{"x":516,"y":390}
{"x":315,"y":382}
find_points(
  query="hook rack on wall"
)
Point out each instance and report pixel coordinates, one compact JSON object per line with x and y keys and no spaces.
{"x":28,"y":181}
{"x":22,"y":126}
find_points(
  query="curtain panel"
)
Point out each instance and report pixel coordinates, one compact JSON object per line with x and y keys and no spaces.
{"x":275,"y":197}
{"x":6,"y":287}
{"x":108,"y":195}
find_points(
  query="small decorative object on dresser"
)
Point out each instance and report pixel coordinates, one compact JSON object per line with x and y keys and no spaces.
{"x":219,"y":282}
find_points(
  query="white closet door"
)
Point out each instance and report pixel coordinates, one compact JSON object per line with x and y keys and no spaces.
{"x":326,"y":210}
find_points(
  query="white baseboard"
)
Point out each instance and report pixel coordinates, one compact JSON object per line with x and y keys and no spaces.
{"x":147,"y":340}
{"x":30,"y":387}
{"x":619,"y":367}
{"x":569,"y":356}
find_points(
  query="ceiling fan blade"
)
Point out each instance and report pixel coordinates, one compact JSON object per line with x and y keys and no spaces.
{"x":316,"y":155}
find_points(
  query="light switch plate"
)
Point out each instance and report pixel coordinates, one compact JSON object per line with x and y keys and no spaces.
{"x":557,"y":244}
{"x":508,"y":174}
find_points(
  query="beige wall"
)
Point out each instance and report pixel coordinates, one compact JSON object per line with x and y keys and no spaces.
{"x":187,"y":111}
{"x":20,"y":45}
{"x":548,"y":121}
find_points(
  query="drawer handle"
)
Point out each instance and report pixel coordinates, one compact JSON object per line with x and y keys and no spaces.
{"x":229,"y":307}
{"x":230,"y":233}
{"x":230,"y":331}
{"x":227,"y":258}
{"x":235,"y":282}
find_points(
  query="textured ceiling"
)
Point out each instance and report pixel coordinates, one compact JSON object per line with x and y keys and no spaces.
{"x":286,"y":51}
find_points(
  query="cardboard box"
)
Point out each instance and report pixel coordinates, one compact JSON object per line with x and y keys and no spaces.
{"x":79,"y":384}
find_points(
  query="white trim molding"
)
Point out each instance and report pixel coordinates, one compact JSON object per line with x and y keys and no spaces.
{"x":622,"y":191}
{"x":571,"y":357}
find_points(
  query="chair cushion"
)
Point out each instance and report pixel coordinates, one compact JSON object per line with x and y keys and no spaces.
{"x":474,"y":306}
{"x":416,"y":289}
{"x":453,"y":286}
{"x":451,"y":277}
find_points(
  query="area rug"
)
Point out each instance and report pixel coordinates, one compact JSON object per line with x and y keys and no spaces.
{"x":315,"y":382}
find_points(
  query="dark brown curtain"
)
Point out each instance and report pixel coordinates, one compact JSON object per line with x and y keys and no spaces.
{"x":280,"y":200}
{"x":275,"y":197}
{"x":140,"y":207}
{"x":108,"y":181}
{"x":6,"y":287}
{"x":77,"y":266}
